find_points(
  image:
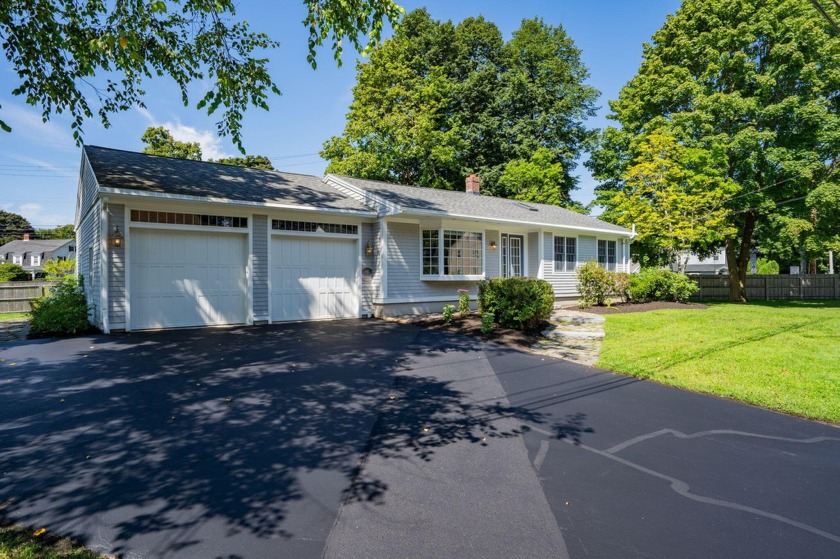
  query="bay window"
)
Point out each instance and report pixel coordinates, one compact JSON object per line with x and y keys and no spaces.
{"x":452,"y":253}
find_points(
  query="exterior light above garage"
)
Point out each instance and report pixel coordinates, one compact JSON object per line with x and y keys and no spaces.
{"x":492,"y":245}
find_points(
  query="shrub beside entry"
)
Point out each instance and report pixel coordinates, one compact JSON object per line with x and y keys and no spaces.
{"x":517,"y":302}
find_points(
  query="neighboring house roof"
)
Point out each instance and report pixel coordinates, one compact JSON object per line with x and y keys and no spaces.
{"x":398,"y":198}
{"x":42,"y":247}
{"x":126,"y":170}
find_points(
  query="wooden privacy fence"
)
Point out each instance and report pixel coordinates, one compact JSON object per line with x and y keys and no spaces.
{"x":16,"y":296}
{"x":765,"y":288}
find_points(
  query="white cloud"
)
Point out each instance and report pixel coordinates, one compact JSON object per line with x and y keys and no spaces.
{"x":28,"y":124}
{"x":211,"y":144}
{"x":40,"y":219}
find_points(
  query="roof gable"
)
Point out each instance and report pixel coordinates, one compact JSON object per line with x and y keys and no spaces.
{"x":152,"y":174}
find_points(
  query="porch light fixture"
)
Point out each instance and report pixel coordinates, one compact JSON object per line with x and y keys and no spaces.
{"x":368,"y":249}
{"x":117,"y":237}
{"x":492,"y":245}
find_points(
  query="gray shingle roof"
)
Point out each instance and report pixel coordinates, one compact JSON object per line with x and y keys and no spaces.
{"x":150,"y":173}
{"x":33,"y":245}
{"x":478,"y":206}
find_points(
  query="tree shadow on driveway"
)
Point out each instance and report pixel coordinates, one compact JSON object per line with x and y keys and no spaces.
{"x":146,"y":439}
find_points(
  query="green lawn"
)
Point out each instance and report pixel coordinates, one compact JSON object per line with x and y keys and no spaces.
{"x":17,"y":542}
{"x":782,"y":355}
{"x":13,"y":315}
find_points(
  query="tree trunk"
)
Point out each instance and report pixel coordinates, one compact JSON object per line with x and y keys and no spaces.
{"x":738,"y":261}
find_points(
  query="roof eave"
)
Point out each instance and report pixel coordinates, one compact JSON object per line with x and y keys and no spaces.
{"x":220,"y":200}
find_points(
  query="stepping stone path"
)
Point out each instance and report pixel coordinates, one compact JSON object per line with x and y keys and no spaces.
{"x":574,"y":336}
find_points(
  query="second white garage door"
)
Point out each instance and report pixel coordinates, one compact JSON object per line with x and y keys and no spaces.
{"x":183,"y":278}
{"x":313,"y":278}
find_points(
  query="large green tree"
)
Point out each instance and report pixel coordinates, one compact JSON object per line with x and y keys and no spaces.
{"x":439,"y":101}
{"x":60,"y":232}
{"x":13,"y":227}
{"x":253,"y":161}
{"x":159,"y":141}
{"x":92,"y":57}
{"x":757,"y":80}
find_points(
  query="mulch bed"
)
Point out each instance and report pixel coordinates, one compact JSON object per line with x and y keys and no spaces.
{"x":639,"y":307}
{"x":470,"y":325}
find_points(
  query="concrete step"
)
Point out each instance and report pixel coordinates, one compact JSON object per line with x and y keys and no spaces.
{"x":574,"y":317}
{"x":576,"y":334}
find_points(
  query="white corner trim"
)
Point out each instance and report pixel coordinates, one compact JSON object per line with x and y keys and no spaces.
{"x":104,"y":262}
{"x":383,"y":256}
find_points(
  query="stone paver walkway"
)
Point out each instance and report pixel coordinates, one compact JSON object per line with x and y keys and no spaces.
{"x":13,"y":330}
{"x":574,"y":336}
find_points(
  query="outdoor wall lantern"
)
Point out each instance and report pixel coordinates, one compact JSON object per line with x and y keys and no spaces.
{"x":368,"y":249}
{"x":492,"y":245}
{"x":117,"y":238}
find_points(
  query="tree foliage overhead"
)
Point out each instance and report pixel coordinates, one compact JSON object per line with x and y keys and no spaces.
{"x":439,"y":101}
{"x":94,"y":57}
{"x":13,"y":227}
{"x":159,"y":141}
{"x":756,"y":80}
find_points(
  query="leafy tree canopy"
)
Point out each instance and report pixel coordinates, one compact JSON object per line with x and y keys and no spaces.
{"x":60,"y":232}
{"x":755,"y":80}
{"x":57,"y":269}
{"x":253,"y":161}
{"x":439,"y":101}
{"x":13,"y":227}
{"x":12,"y":272}
{"x":159,"y":141}
{"x":92,"y":57}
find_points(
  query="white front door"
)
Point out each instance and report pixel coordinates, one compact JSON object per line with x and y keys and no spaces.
{"x":313,"y":277}
{"x":187,"y":278}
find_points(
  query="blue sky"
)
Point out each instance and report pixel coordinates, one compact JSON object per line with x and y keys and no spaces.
{"x":39,"y":162}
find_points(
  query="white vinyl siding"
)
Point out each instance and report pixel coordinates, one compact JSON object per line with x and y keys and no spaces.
{"x":181,"y":278}
{"x":88,"y":258}
{"x":533,"y":260}
{"x":313,"y":278}
{"x":371,"y":266}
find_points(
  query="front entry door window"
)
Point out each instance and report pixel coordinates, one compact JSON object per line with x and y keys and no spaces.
{"x":512,"y":255}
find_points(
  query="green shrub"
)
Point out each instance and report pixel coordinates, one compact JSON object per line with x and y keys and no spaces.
{"x":521,"y":303}
{"x":486,"y":322}
{"x":463,"y":302}
{"x":595,"y":284}
{"x":12,"y":272}
{"x":622,"y":282}
{"x":767,"y":267}
{"x":61,"y":312}
{"x":448,"y":313}
{"x":654,"y":284}
{"x":58,"y":269}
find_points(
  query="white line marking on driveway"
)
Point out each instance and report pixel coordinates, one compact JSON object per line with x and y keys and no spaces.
{"x":681,"y":435}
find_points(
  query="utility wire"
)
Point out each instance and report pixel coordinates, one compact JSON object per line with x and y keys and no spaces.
{"x":818,"y":5}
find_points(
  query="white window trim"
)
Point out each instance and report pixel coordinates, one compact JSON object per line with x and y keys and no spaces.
{"x":606,"y":264}
{"x":35,"y":259}
{"x":565,"y":259}
{"x":440,"y":276}
{"x":17,"y":259}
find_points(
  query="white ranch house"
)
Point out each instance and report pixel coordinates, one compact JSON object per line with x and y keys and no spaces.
{"x":165,"y":243}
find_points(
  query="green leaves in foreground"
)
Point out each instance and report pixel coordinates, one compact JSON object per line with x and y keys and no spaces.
{"x":82,"y":58}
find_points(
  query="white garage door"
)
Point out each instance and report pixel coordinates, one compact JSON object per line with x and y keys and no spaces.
{"x":187,"y":278}
{"x":313,"y":278}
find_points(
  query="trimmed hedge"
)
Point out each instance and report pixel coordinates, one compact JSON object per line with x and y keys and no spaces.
{"x":517,"y":302}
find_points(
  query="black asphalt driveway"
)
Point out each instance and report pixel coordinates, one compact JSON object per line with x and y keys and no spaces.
{"x":366,"y":439}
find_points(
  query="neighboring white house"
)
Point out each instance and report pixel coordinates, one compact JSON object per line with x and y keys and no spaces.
{"x":169,"y":243}
{"x":32,"y":253}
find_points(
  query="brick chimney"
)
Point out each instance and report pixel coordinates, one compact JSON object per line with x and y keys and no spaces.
{"x":473,"y":184}
{"x":26,"y":236}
